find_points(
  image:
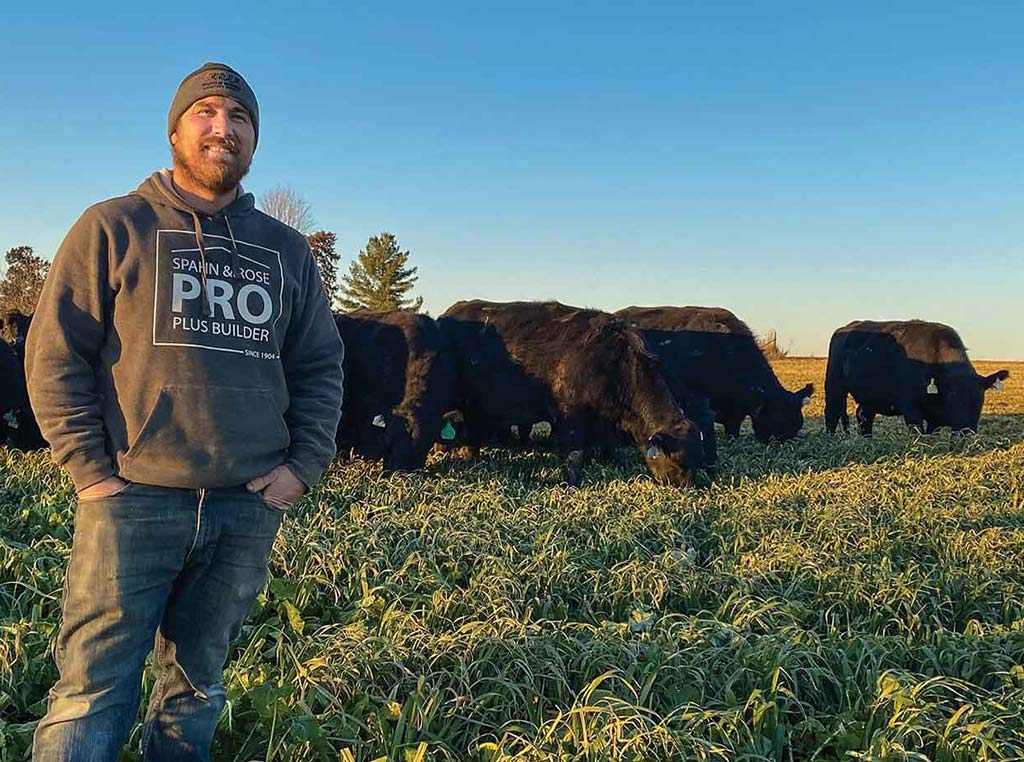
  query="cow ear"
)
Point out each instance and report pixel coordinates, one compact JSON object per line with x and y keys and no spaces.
{"x":804,"y":395}
{"x":994,"y":381}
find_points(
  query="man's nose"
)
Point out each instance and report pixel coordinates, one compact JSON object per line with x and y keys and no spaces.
{"x":220,"y":125}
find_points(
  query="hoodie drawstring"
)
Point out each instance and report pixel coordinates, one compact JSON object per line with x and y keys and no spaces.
{"x":236,"y":264}
{"x":204,"y":294}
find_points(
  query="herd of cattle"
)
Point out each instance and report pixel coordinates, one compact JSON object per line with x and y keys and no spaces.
{"x":483,"y":373}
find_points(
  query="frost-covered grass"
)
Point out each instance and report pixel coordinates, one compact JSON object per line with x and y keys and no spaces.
{"x":823,"y":599}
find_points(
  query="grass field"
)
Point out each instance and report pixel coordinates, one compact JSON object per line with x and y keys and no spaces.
{"x":826,"y":598}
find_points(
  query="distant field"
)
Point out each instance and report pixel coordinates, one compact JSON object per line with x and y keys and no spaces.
{"x":794,"y":372}
{"x":824,"y":599}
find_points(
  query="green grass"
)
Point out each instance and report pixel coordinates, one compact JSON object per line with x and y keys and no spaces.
{"x":824,"y":599}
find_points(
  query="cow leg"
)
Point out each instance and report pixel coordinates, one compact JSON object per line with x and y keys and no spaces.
{"x":835,"y":410}
{"x":572,"y":467}
{"x":732,"y":420}
{"x":865,"y":421}
{"x":572,"y":445}
{"x":914,"y":418}
{"x":521,"y":437}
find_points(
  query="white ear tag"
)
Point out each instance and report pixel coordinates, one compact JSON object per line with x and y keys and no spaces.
{"x":702,"y":436}
{"x":378,"y":421}
{"x":805,"y":402}
{"x":653,"y":451}
{"x":932,"y":387}
{"x":998,"y":385}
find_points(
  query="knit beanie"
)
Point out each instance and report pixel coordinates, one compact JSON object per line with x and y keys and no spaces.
{"x":214,"y":79}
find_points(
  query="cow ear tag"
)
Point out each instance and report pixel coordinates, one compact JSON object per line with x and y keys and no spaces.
{"x":378,"y":421}
{"x":653,"y":451}
{"x":932,"y":388}
{"x":805,"y":402}
{"x":998,"y":385}
{"x":448,"y":432}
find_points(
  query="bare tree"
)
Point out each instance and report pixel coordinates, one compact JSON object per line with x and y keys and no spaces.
{"x":289,"y":207}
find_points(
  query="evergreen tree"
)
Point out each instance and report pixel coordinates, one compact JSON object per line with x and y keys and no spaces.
{"x":322,"y":242}
{"x":380,"y":277}
{"x":21,"y":284}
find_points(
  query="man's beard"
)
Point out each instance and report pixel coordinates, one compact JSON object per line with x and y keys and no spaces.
{"x":213,"y":175}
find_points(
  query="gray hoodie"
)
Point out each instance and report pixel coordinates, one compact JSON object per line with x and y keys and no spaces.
{"x":177,"y":349}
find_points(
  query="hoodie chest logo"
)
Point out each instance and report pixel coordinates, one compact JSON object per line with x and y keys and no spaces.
{"x":243,"y":294}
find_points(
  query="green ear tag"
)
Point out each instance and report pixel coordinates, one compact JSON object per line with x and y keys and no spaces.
{"x":448,"y":432}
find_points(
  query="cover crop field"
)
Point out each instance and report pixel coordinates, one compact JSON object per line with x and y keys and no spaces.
{"x":823,"y":599}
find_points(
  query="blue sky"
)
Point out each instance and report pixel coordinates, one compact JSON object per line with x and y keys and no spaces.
{"x":803,"y":164}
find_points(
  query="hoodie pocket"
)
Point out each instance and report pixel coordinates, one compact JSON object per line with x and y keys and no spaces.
{"x":210,"y":436}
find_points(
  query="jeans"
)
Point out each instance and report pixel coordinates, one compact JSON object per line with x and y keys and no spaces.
{"x":179,"y":566}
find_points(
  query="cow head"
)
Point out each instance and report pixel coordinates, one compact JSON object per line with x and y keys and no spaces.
{"x":671,"y":454}
{"x":390,"y":437}
{"x":781,"y":415}
{"x":698,"y":410}
{"x":958,"y":398}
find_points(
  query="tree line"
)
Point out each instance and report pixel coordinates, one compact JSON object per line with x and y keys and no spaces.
{"x":379,"y":278}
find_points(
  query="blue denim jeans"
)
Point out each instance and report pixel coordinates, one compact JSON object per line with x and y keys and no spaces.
{"x":176,"y":566}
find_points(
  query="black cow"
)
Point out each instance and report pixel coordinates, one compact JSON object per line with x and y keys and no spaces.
{"x":584,"y":371}
{"x":399,"y":381}
{"x":711,"y":352}
{"x":18,"y":323}
{"x":913,"y":368}
{"x":18,"y":426}
{"x":13,"y":394}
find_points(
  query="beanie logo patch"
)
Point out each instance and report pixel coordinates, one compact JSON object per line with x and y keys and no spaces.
{"x":222,"y":80}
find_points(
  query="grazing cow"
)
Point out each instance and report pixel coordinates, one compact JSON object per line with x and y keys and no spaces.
{"x":18,"y":323}
{"x":18,"y":426}
{"x":913,"y":368}
{"x":713,"y":353}
{"x":399,"y":381}
{"x":584,"y":371}
{"x":13,"y":394}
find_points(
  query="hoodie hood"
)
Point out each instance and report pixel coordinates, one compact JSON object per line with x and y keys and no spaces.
{"x":158,"y":188}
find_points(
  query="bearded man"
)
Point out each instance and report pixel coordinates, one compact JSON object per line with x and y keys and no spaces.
{"x":185,"y":368}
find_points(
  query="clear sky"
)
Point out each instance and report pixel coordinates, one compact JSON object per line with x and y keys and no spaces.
{"x":801,"y":163}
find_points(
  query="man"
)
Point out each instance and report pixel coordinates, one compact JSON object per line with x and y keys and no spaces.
{"x":185,"y":368}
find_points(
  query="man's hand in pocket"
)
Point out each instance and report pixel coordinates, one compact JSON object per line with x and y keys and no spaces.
{"x":104,"y":488}
{"x":279,"y":486}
